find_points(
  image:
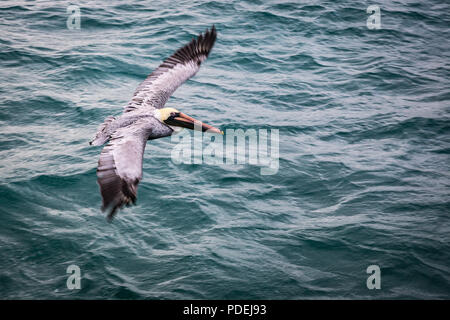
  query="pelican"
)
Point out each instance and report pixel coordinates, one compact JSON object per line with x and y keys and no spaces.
{"x":145,"y":118}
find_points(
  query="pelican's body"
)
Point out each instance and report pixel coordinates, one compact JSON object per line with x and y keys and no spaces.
{"x":145,"y":118}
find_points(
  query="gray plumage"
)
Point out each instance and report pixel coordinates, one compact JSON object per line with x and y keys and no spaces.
{"x":154,"y":91}
{"x":120,"y":165}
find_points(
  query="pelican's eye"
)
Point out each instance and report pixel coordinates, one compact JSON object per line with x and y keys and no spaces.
{"x":173,"y":115}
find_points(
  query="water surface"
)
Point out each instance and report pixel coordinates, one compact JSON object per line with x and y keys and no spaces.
{"x":363,"y":178}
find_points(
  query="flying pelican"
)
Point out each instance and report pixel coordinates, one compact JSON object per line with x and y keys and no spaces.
{"x":145,"y":118}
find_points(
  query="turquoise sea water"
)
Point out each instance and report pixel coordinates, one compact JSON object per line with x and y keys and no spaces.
{"x":363,"y":179}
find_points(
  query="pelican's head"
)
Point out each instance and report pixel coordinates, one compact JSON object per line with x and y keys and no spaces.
{"x":178,"y":120}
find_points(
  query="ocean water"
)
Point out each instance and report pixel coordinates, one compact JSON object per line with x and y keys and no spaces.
{"x":363,"y":172}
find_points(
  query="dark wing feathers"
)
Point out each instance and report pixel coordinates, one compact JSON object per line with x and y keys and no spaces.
{"x":120,"y":167}
{"x":154,"y":91}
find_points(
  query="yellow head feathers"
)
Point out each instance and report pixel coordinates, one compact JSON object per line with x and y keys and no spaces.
{"x":164,"y":113}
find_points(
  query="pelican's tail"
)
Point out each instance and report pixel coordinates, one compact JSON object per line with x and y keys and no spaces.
{"x":103,"y":133}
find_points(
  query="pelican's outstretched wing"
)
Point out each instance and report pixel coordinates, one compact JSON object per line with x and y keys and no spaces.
{"x":182,"y":65}
{"x":120,"y":166}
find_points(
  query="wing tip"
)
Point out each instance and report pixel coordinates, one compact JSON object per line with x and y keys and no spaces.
{"x":113,"y":208}
{"x":197,"y":47}
{"x":116,"y":192}
{"x":117,"y":204}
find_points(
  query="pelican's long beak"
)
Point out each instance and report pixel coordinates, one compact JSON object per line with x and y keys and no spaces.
{"x":183,"y":120}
